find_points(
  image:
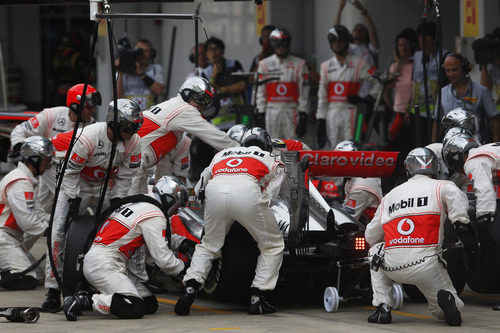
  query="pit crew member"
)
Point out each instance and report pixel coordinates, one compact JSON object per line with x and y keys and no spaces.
{"x":165,"y":123}
{"x":128,"y":228}
{"x":407,"y":232}
{"x":240,"y":185}
{"x":19,"y":214}
{"x":341,"y":77}
{"x":86,"y":170}
{"x":283,"y":102}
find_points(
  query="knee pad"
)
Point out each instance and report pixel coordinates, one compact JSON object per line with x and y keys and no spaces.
{"x":127,"y":307}
{"x":151,"y":304}
{"x":17,"y":282}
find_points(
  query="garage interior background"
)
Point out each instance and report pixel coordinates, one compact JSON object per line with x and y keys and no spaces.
{"x":28,"y":34}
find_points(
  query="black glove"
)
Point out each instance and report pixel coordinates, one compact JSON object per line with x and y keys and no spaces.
{"x":187,"y":247}
{"x":486,"y":219}
{"x":260,"y":120}
{"x":74,"y":206}
{"x":321,"y":133}
{"x":301,"y":124}
{"x":466,"y":235}
{"x":355,"y":99}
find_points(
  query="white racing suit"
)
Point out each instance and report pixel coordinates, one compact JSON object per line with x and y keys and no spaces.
{"x":242,"y":185}
{"x":409,"y":227}
{"x":337,"y":82}
{"x":19,"y":217}
{"x":84,"y":176}
{"x":162,"y":129}
{"x":48,"y":123}
{"x":177,"y":160}
{"x":362,"y":197}
{"x":126,"y":230}
{"x":482,"y":167}
{"x":281,"y":99}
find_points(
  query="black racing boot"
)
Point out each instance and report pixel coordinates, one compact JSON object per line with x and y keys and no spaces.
{"x":53,"y":300}
{"x":382,"y":315}
{"x":185,"y":301}
{"x":259,"y":304}
{"x":74,"y":305}
{"x":446,"y":302}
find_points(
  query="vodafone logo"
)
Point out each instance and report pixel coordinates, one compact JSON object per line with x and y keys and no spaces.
{"x":234,"y":162}
{"x":406,"y":227}
{"x":338,"y":88}
{"x":281,"y":89}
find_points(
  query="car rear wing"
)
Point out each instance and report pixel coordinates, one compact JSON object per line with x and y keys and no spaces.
{"x":302,"y":164}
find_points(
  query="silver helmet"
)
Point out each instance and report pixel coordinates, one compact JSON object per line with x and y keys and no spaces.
{"x":421,"y":161}
{"x":459,"y":117}
{"x":171,"y":193}
{"x":455,"y":150}
{"x":197,"y":88}
{"x":346,"y":145}
{"x":280,"y":37}
{"x":454,"y":131}
{"x":237,"y":131}
{"x":37,"y":148}
{"x":259,"y":137}
{"x":129,"y":115}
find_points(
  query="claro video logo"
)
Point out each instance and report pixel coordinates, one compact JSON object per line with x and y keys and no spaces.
{"x":366,"y":160}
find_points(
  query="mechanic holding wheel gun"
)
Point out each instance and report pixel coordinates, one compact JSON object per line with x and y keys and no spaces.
{"x":406,"y":237}
{"x":241,"y":185}
{"x":126,"y":229}
{"x":85,"y":174}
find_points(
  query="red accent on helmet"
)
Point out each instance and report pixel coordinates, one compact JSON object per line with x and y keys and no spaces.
{"x":74,"y":94}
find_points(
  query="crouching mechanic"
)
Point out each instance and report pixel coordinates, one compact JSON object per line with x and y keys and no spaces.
{"x":241,"y":185}
{"x":128,"y":228}
{"x":406,"y":236}
{"x":86,"y":171}
{"x":19,"y":216}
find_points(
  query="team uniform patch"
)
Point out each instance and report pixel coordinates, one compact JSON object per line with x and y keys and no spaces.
{"x":135,"y":161}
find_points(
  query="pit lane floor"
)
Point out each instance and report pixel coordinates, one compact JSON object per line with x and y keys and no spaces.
{"x":299,"y":311}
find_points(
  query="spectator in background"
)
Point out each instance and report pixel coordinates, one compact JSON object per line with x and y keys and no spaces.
{"x":146,"y":82}
{"x":202,"y":59}
{"x":397,"y":95}
{"x":364,"y":38}
{"x":266,"y":51}
{"x":426,"y":33}
{"x":465,"y":93}
{"x":490,"y":73}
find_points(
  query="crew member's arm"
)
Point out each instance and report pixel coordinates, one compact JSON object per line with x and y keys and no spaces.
{"x":153,"y":230}
{"x":372,"y":30}
{"x":36,"y":125}
{"x":274,"y":180}
{"x":374,"y":232}
{"x":339,"y":12}
{"x":303,"y":84}
{"x":479,"y":170}
{"x":20,"y":196}
{"x":261,"y":100}
{"x":454,"y":201}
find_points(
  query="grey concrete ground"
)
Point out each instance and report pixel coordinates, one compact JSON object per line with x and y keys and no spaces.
{"x":298,"y":312}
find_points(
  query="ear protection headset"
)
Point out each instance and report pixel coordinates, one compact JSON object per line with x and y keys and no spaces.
{"x":465,"y":64}
{"x":191,"y":58}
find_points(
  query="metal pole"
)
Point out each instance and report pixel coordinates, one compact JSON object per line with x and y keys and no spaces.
{"x":170,"y":60}
{"x":147,"y":16}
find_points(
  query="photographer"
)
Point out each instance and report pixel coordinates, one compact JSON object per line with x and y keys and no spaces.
{"x":487,"y":55}
{"x":144,"y":81}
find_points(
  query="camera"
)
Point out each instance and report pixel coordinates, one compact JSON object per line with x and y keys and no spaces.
{"x":485,"y":49}
{"x":127,"y":55}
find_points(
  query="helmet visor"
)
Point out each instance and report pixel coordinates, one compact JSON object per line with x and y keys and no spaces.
{"x":91,"y":99}
{"x":130,"y":127}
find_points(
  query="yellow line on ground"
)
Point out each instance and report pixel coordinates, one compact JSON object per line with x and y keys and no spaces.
{"x":407,"y":314}
{"x":223,"y":328}
{"x":197,"y":307}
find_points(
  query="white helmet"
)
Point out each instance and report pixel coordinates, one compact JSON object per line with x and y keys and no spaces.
{"x":36,"y":148}
{"x":346,"y":145}
{"x":259,"y":137}
{"x":237,"y":131}
{"x":455,"y":149}
{"x":171,"y":193}
{"x":459,"y":117}
{"x":129,"y":117}
{"x":197,"y":88}
{"x":421,"y":161}
{"x":454,"y":131}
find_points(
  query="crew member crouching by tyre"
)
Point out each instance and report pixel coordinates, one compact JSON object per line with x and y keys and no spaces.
{"x":406,"y":236}
{"x":20,"y":214}
{"x":241,"y":185}
{"x":128,"y":228}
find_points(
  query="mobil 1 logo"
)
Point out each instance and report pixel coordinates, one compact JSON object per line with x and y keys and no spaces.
{"x":408,"y":203}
